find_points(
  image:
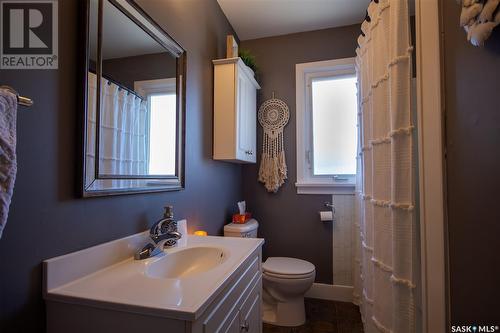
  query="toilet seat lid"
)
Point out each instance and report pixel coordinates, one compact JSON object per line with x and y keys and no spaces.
{"x":287,"y":266}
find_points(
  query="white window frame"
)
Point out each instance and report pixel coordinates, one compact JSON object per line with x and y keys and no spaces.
{"x":307,"y":183}
{"x":151,"y":87}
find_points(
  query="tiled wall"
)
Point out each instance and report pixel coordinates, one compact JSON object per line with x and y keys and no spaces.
{"x":342,"y":239}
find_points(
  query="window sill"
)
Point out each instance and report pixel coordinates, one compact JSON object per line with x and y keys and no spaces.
{"x":325,"y":188}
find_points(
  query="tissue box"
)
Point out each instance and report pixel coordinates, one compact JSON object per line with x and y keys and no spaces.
{"x":241,"y":218}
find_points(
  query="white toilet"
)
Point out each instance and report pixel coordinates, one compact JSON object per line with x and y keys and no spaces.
{"x":285,"y":282}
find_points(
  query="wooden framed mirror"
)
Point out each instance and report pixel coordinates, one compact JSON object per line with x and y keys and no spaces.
{"x":134,"y":80}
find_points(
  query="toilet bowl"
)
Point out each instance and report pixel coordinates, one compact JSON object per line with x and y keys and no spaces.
{"x":285,"y":282}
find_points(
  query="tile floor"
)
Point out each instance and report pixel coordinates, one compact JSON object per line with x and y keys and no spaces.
{"x":325,"y":317}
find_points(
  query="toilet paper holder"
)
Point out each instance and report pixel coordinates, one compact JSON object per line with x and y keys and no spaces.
{"x":331,"y":206}
{"x":329,"y":215}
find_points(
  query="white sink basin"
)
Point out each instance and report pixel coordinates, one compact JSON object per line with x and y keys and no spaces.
{"x":177,"y":284}
{"x":186,"y":263}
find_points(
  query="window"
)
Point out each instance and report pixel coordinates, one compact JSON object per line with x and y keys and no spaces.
{"x":161,"y":127}
{"x":162,"y":123}
{"x":327,"y":107}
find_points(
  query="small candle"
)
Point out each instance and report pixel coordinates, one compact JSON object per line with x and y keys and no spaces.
{"x":200,"y":233}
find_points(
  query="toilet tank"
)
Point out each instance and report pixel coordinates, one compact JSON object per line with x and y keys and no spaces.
{"x":248,"y":230}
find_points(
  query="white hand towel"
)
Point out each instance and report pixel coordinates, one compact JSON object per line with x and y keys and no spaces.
{"x":8,"y":162}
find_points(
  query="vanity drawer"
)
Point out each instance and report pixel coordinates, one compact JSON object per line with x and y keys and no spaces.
{"x":222,"y":314}
{"x":243,"y":308}
{"x":251,"y":310}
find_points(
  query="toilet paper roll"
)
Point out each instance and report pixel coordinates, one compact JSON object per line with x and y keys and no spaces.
{"x":326,"y":216}
{"x":182,"y":228}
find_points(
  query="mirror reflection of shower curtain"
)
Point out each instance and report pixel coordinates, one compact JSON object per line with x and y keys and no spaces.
{"x":123,"y":142}
{"x":387,"y":270}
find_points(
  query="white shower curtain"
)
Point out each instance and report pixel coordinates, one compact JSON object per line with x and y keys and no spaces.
{"x":387,"y":261}
{"x":123,"y":135}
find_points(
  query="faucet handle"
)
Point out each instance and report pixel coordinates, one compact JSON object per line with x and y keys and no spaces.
{"x":169,"y":212}
{"x":165,"y":224}
{"x":168,"y":226}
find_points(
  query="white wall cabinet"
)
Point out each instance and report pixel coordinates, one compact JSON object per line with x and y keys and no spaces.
{"x":235,"y":111}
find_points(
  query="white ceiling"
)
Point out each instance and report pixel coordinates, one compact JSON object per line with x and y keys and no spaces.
{"x":263,"y":18}
{"x":121,"y":36}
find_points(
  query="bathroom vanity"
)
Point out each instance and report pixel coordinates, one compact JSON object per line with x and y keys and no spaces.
{"x":205,"y":284}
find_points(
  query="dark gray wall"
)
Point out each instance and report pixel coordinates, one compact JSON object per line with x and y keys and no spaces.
{"x":472,"y":83}
{"x":289,"y":222}
{"x":46,"y":218}
{"x":145,"y":67}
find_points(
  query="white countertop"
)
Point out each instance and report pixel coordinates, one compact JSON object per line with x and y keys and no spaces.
{"x":107,"y":276}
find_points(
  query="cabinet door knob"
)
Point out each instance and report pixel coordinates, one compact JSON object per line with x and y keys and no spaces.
{"x":245,"y":326}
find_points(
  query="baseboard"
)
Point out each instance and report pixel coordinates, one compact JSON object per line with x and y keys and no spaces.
{"x":331,"y":292}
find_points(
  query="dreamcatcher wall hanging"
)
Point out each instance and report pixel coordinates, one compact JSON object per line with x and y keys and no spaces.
{"x":273,"y":116}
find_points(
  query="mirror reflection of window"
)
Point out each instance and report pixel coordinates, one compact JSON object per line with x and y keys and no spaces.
{"x":161,"y":128}
{"x":162,"y":134}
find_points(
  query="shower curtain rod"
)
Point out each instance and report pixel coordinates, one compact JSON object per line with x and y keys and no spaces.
{"x":367,"y":17}
{"x":120,"y":86}
{"x":21,"y":100}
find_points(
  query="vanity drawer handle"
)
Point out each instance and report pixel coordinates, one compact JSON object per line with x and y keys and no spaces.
{"x":249,"y":152}
{"x":245,"y":326}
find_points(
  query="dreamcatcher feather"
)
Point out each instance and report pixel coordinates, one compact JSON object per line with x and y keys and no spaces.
{"x":273,"y":116}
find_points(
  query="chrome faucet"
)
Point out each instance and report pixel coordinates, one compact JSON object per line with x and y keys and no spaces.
{"x":162,"y":234}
